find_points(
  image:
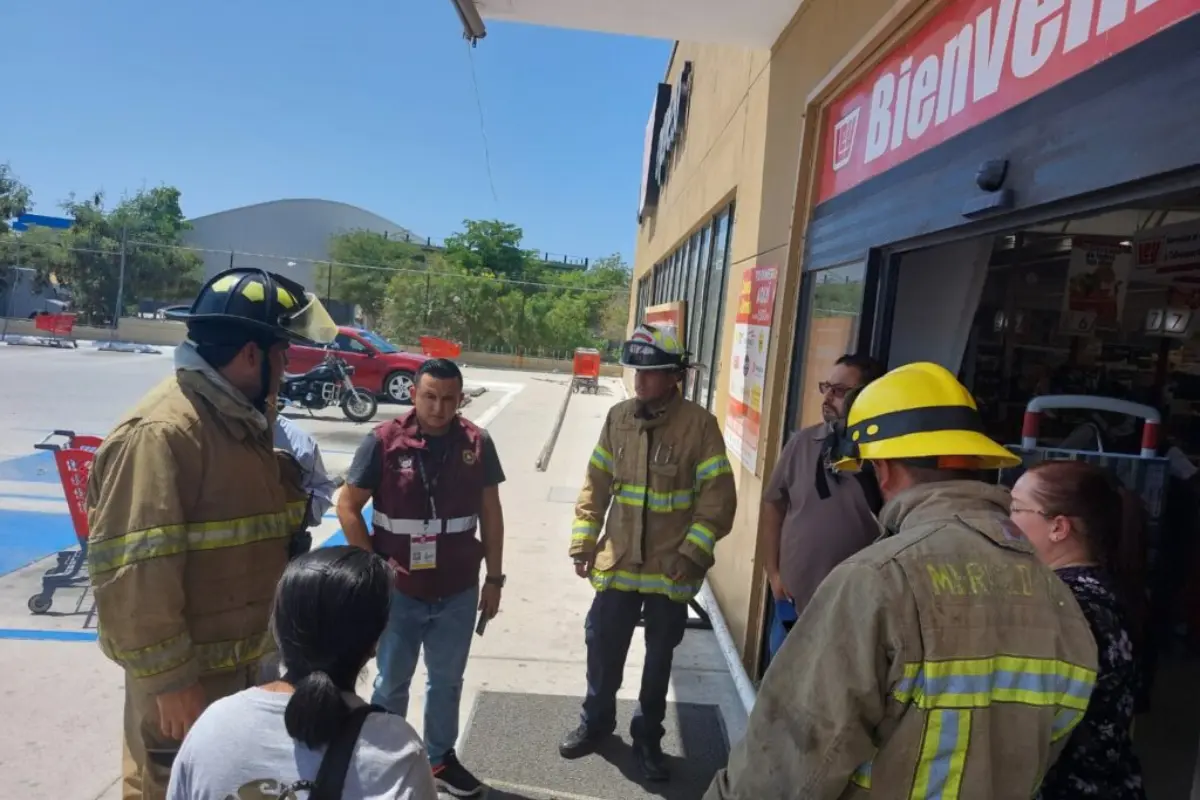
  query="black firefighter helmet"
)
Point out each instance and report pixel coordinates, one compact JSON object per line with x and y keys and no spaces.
{"x":244,"y":304}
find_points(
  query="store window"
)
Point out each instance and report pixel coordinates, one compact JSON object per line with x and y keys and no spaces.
{"x":696,"y":290}
{"x":714,"y":309}
{"x":695,"y":274}
{"x":836,"y":306}
{"x":644,"y":285}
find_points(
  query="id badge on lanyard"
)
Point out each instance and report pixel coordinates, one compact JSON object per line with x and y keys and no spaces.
{"x":422,"y":553}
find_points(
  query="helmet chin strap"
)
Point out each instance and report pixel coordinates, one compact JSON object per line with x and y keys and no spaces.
{"x":260,"y":400}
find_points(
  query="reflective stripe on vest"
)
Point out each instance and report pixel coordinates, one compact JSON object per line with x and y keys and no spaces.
{"x":421,"y":527}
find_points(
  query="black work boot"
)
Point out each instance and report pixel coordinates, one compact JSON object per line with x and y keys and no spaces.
{"x":651,"y":761}
{"x":581,"y":741}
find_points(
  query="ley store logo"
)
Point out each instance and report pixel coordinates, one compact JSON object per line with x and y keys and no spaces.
{"x":974,"y":60}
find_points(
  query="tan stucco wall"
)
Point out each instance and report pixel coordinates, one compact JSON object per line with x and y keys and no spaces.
{"x":744,"y":140}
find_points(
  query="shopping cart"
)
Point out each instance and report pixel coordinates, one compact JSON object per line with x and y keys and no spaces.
{"x":74,"y":460}
{"x":1145,"y":474}
{"x":585,"y":371}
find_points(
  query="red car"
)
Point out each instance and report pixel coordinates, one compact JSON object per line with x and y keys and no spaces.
{"x":379,"y":366}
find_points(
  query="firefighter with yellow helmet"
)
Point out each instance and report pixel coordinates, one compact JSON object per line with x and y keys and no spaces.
{"x":660,"y":488}
{"x":942,"y":661}
{"x":192,"y":513}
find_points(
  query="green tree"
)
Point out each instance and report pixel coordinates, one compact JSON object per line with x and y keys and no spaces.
{"x":364,"y":264}
{"x":149,"y":226}
{"x":15,"y":197}
{"x":486,"y":291}
{"x":489,"y":246}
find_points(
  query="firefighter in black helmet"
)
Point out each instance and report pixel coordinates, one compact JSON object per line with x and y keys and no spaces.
{"x":192,"y":512}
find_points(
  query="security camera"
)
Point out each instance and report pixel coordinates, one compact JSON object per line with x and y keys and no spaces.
{"x":991,"y":174}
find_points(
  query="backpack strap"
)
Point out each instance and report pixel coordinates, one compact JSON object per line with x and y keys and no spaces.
{"x":331,"y":775}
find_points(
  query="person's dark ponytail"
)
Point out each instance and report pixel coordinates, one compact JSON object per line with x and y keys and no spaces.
{"x":316,"y":710}
{"x":330,"y":609}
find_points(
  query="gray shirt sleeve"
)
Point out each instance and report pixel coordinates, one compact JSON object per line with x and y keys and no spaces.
{"x":367,"y":465}
{"x":781,"y":477}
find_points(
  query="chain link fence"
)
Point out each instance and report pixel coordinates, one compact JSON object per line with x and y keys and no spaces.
{"x":544,"y":315}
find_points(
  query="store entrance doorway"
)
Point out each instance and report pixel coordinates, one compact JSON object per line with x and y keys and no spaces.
{"x":1106,"y":305}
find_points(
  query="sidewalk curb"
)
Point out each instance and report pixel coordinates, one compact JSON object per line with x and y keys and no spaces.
{"x":543,"y":460}
{"x":741,"y":681}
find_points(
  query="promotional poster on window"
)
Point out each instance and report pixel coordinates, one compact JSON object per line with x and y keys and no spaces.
{"x":748,"y":363}
{"x":1097,"y":282}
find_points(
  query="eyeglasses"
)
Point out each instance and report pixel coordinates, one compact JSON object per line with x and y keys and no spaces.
{"x":838,"y":390}
{"x":1021,"y":510}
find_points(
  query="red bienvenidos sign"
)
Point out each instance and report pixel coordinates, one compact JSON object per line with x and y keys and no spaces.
{"x":974,"y":60}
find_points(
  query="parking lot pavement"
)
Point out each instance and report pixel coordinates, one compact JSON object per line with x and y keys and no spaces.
{"x":62,"y":699}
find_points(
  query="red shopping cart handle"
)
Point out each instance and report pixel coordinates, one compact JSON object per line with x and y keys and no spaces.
{"x":45,"y":443}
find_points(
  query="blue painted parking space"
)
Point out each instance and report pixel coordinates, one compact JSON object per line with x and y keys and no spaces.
{"x":28,"y":536}
{"x":33,"y":468}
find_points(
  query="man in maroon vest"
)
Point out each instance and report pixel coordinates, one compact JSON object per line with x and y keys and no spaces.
{"x":433,"y":479}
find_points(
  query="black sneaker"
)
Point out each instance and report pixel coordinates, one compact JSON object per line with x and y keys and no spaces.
{"x":581,"y":741}
{"x":651,"y":761}
{"x":453,"y":778}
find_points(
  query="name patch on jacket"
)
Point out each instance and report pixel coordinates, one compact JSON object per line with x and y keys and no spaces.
{"x":974,"y":578}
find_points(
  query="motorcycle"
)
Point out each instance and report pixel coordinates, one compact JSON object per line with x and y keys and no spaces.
{"x":327,"y":384}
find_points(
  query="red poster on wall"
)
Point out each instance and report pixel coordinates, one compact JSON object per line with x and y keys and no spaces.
{"x":748,"y":363}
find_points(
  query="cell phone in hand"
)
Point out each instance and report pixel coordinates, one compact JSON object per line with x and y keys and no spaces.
{"x":482,"y":624}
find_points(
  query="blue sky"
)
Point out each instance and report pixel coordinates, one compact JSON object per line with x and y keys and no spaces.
{"x":242,"y":102}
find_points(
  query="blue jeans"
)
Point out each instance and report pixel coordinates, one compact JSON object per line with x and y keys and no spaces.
{"x":608,"y":631}
{"x":444,"y":628}
{"x":782,"y":619}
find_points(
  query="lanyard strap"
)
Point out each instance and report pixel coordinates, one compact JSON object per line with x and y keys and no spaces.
{"x":430,"y":485}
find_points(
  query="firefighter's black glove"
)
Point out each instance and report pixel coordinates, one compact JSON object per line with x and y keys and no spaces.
{"x":300,"y":544}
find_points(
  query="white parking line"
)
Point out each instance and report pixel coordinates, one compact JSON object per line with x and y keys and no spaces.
{"x":34,"y":505}
{"x":490,"y":414}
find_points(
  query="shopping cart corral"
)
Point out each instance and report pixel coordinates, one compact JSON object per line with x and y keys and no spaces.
{"x":73,"y":455}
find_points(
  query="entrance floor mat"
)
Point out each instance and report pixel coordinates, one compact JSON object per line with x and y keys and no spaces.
{"x":512,"y":744}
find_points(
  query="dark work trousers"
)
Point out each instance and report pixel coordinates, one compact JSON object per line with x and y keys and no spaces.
{"x":609,"y":629}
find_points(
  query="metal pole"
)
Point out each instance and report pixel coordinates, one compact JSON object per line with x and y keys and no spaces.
{"x":12,"y":289}
{"x":329,"y":281}
{"x":121,"y":278}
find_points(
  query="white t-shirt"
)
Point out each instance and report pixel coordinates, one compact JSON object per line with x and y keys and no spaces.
{"x":240,"y":749}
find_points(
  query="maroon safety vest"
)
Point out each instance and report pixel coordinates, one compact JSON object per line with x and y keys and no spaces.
{"x":404,"y":513}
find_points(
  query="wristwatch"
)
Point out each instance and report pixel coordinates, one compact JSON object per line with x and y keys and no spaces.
{"x":495,"y":580}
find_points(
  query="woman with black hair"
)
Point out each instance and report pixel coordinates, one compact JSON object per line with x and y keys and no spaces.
{"x":331,"y":606}
{"x":1086,"y":528}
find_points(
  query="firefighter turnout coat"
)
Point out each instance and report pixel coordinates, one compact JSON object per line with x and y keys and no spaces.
{"x":672,"y":496}
{"x":190,"y":519}
{"x":943,"y":661}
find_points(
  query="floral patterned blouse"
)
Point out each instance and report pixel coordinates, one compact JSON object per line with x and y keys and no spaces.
{"x":1098,"y":761}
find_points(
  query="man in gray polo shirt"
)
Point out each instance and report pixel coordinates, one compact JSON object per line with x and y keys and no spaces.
{"x":811,"y":519}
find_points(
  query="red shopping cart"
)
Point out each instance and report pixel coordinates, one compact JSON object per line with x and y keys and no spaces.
{"x":74,"y":461}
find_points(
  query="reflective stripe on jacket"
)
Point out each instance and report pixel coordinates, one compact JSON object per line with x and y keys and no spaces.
{"x":666,"y":488}
{"x":403,"y":509}
{"x":944,"y":661}
{"x":190,"y":524}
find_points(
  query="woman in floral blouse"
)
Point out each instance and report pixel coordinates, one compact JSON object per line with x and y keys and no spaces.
{"x":1086,"y":529}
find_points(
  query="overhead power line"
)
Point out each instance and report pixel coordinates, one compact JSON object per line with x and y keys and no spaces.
{"x":487,"y":156}
{"x":320,"y":262}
